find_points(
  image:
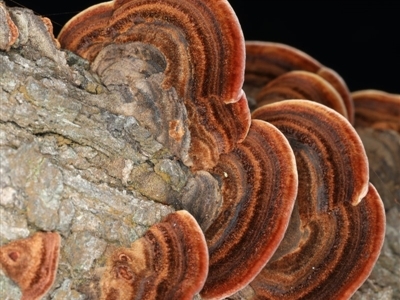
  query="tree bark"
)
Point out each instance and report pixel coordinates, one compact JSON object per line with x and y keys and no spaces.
{"x":72,"y":162}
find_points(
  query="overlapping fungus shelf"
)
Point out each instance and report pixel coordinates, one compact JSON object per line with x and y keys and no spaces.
{"x":259,"y":185}
{"x":337,"y":215}
{"x":266,"y":61}
{"x":169,"y":262}
{"x":192,"y":36}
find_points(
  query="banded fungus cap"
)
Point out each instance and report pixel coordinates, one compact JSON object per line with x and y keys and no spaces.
{"x":259,"y":185}
{"x":301,"y":85}
{"x":337,"y":215}
{"x":204,"y":49}
{"x":377,"y":109}
{"x":32,"y":263}
{"x":266,"y":61}
{"x":169,"y":262}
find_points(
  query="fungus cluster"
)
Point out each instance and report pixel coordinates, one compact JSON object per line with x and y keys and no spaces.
{"x":298,"y":218}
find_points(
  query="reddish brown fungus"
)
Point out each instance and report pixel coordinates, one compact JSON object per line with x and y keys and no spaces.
{"x":377,"y":109}
{"x":199,"y":49}
{"x":32,"y":263}
{"x":341,"y":87}
{"x":266,"y":61}
{"x":259,"y":185}
{"x":331,"y":224}
{"x":196,"y":37}
{"x":301,"y":85}
{"x":169,"y":262}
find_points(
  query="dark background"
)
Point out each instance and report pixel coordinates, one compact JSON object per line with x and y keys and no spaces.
{"x":358,"y":39}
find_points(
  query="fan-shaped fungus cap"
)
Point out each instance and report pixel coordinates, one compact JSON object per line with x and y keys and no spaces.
{"x":169,"y":262}
{"x":266,"y":61}
{"x":259,"y":185}
{"x":301,"y":85}
{"x":377,"y":109}
{"x":335,"y":235}
{"x":203,"y":46}
{"x":32,"y":263}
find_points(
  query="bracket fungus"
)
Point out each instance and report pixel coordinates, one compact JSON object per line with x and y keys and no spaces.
{"x":32,"y":263}
{"x":292,"y":213}
{"x":377,"y":109}
{"x":266,"y":61}
{"x":259,"y":186}
{"x":301,"y":85}
{"x":192,"y":36}
{"x":169,"y":262}
{"x":338,"y":213}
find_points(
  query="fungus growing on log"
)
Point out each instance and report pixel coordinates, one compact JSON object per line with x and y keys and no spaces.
{"x":32,"y":263}
{"x":335,"y":235}
{"x":169,"y":262}
{"x":377,"y":109}
{"x":301,"y":85}
{"x":203,"y":47}
{"x":196,"y":47}
{"x":259,"y":185}
{"x":266,"y":61}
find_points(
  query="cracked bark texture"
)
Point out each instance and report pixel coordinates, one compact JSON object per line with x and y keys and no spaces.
{"x":75,"y":160}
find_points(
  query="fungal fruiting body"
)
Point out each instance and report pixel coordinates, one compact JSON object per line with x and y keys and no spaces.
{"x":202,"y":51}
{"x":377,"y":109}
{"x":259,"y":188}
{"x":301,"y":85}
{"x":169,"y":262}
{"x":266,"y":61}
{"x":32,"y":263}
{"x":333,"y":221}
{"x":192,"y":36}
{"x":297,"y":208}
{"x":296,"y":156}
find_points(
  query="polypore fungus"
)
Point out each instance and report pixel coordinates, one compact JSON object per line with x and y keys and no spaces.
{"x":32,"y":263}
{"x":203,"y":47}
{"x":259,"y":185}
{"x":169,"y":262}
{"x":337,"y":226}
{"x":377,"y":109}
{"x":301,"y":85}
{"x":198,"y":48}
{"x":266,"y":61}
